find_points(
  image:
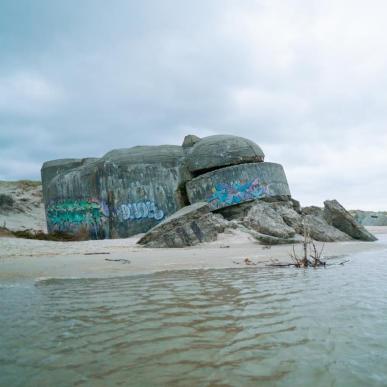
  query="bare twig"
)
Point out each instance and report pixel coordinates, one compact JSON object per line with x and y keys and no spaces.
{"x":248,"y":261}
{"x":310,"y":250}
{"x":97,"y":252}
{"x":118,"y":260}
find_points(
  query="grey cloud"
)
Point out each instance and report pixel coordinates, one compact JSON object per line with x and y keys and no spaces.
{"x":299,"y":78}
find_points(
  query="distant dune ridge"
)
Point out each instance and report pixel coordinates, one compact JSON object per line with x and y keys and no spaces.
{"x":370,"y":218}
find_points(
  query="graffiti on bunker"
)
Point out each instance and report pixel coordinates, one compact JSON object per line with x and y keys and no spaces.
{"x":237,"y":192}
{"x":82,"y":212}
{"x":139,"y":211}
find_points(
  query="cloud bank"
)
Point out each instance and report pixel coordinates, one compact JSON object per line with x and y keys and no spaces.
{"x":304,"y":79}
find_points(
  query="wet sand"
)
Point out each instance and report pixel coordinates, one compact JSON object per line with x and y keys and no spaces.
{"x":30,"y":259}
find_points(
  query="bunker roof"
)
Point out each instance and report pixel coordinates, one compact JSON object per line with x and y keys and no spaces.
{"x":222,"y":150}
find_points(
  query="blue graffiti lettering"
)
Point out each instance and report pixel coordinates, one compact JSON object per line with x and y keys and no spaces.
{"x":140,"y":210}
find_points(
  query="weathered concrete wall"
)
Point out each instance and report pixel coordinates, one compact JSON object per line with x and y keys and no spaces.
{"x":52,"y":168}
{"x":75,"y":202}
{"x":237,"y":184}
{"x":143,"y":186}
{"x":125,"y":192}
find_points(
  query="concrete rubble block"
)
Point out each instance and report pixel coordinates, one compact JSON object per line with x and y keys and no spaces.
{"x":290,"y":216}
{"x":320,"y":230}
{"x":237,"y":184}
{"x":336,"y":215}
{"x":296,"y":205}
{"x":236,"y":212}
{"x":265,"y":239}
{"x":189,"y":226}
{"x":220,"y":151}
{"x":239,"y":211}
{"x":270,"y":240}
{"x":313,"y":210}
{"x":264,"y":219}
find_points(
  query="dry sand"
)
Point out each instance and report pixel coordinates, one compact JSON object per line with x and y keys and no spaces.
{"x":31,"y":259}
{"x":28,"y":210}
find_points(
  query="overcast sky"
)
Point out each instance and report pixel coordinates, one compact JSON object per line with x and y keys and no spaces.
{"x":305,"y":79}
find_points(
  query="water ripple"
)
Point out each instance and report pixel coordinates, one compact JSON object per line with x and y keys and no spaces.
{"x":206,"y":328}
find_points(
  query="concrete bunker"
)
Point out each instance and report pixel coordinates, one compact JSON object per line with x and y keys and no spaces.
{"x":130,"y":190}
{"x":229,"y":170}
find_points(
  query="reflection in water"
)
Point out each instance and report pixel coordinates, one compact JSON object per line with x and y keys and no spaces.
{"x":217,"y":327}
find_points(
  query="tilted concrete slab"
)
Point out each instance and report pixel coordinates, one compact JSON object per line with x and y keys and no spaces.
{"x":238,"y":184}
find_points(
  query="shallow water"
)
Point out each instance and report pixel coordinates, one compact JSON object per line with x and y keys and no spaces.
{"x":235,"y":327}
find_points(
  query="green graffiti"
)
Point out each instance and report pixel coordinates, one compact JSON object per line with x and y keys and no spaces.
{"x":78,"y":212}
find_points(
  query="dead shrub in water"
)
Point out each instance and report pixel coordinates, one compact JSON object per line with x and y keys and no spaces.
{"x":311,"y":254}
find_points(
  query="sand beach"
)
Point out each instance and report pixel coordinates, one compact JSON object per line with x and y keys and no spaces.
{"x":32,"y":259}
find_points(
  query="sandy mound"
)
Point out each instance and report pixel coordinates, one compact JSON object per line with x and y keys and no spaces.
{"x":21,"y":205}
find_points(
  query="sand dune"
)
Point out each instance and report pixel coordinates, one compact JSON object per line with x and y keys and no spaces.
{"x":27,"y":210}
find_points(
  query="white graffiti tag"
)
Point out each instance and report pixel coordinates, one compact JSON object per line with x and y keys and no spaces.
{"x":140,"y":210}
